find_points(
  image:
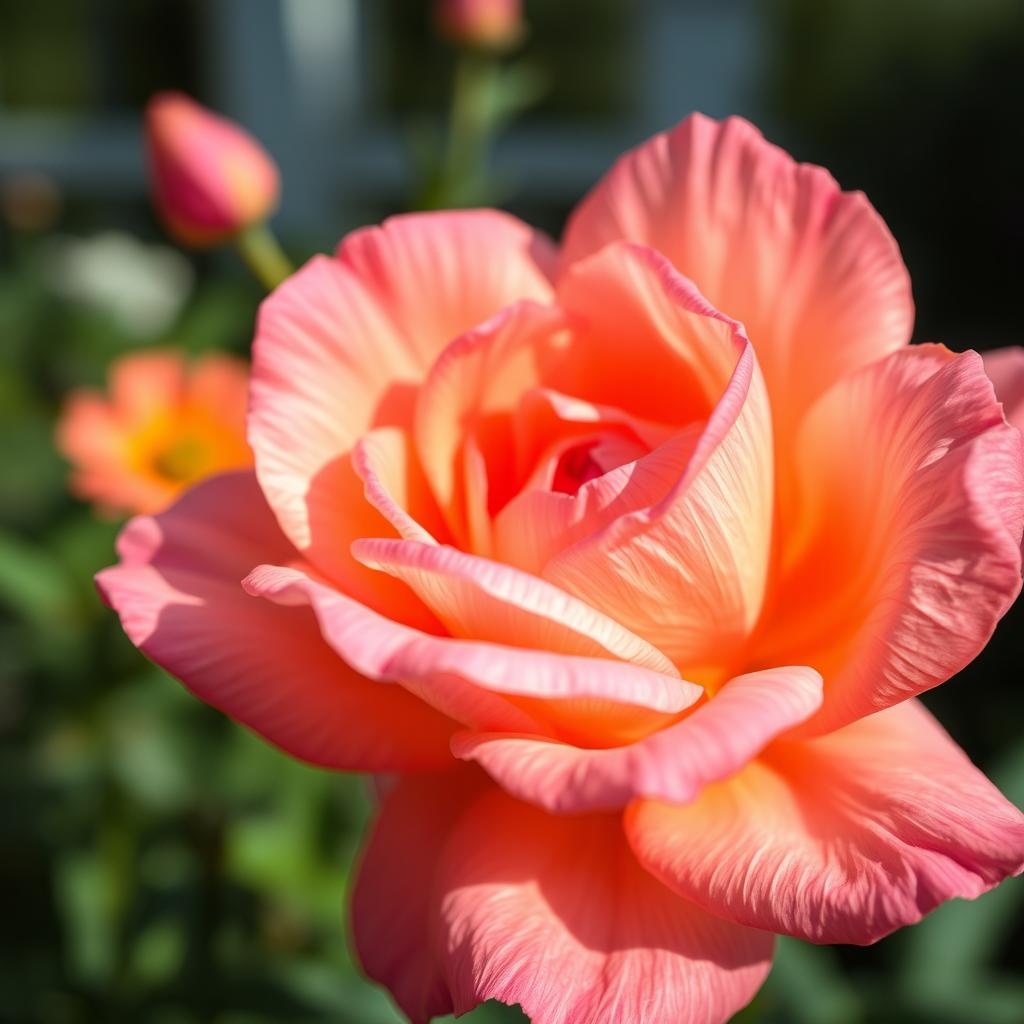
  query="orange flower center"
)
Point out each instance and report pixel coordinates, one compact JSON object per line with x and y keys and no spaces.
{"x":185,"y":458}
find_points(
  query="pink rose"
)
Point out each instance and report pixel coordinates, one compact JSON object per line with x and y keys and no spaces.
{"x":633,"y":607}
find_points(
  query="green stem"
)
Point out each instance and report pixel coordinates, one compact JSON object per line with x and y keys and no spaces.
{"x":471,"y":125}
{"x":263,"y":255}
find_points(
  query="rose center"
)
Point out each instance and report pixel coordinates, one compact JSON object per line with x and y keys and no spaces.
{"x":575,"y":467}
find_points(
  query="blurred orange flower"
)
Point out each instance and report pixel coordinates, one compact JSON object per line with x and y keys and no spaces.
{"x":162,"y":426}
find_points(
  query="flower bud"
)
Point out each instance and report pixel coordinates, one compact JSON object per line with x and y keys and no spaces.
{"x":485,"y":24}
{"x":209,"y":178}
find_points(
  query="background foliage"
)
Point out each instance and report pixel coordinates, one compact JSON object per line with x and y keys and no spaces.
{"x":158,"y":863}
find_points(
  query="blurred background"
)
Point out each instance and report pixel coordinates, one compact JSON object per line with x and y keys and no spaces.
{"x":158,"y":863}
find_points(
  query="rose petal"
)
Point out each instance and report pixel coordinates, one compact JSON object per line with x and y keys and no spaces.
{"x":555,"y":914}
{"x":812,"y":272}
{"x":644,"y":339}
{"x":1005,"y":368}
{"x":907,"y":551}
{"x":840,"y":839}
{"x":393,"y":484}
{"x":485,"y":685}
{"x":675,"y":339}
{"x":178,"y":592}
{"x":688,"y":572}
{"x":479,"y":599}
{"x":537,"y":525}
{"x":716,"y":740}
{"x":341,"y":345}
{"x":395,"y":901}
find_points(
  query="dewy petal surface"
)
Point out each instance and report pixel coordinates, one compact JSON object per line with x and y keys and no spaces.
{"x":907,"y":552}
{"x":178,"y":592}
{"x":840,"y":839}
{"x":555,"y":914}
{"x":342,"y":345}
{"x":811,"y":271}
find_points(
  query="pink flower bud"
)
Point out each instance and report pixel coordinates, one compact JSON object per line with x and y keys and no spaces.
{"x":488,"y":24}
{"x":209,"y":177}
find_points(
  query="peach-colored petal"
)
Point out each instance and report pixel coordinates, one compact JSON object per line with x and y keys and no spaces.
{"x":645,"y":339}
{"x":479,"y":599}
{"x":394,"y":485}
{"x":544,"y":413}
{"x":688,"y":573}
{"x":716,"y":740}
{"x":556,"y":915}
{"x":908,"y":548}
{"x":538,"y":524}
{"x":478,"y":378}
{"x":812,"y":272}
{"x":1005,"y":368}
{"x":485,"y":685}
{"x":178,"y":592}
{"x":342,"y":344}
{"x":682,"y":354}
{"x":395,"y":900}
{"x":840,"y":839}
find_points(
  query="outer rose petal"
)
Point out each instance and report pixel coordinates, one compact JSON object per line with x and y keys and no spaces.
{"x":395,"y":899}
{"x":487,"y":686}
{"x":908,"y":549}
{"x":812,"y":272}
{"x":555,"y":914}
{"x":341,"y":345}
{"x":1005,"y":368}
{"x":178,"y":592}
{"x":840,"y":839}
{"x":716,"y":740}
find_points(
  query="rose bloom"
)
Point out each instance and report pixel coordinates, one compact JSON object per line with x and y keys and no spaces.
{"x":621,"y":565}
{"x":164,"y":426}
